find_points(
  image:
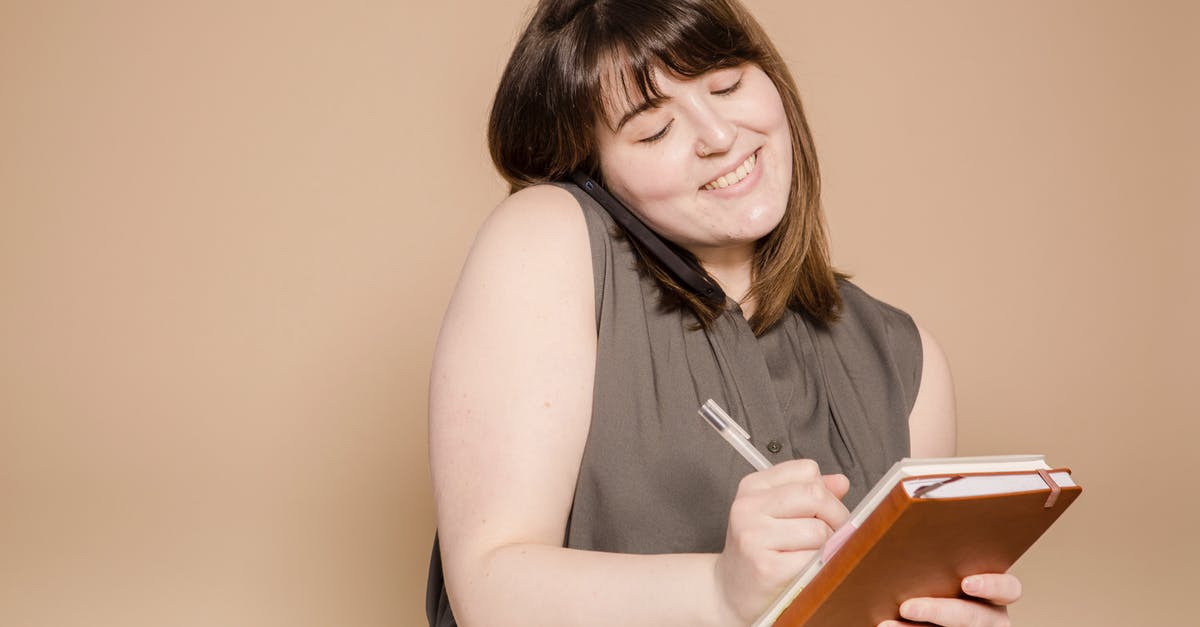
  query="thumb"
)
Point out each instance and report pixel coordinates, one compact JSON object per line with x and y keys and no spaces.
{"x":838,"y":484}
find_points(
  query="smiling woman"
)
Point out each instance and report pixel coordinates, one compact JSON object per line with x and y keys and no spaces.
{"x":575,"y":484}
{"x":584,"y":73}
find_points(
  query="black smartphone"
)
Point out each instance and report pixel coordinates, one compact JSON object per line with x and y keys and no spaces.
{"x":683,"y":272}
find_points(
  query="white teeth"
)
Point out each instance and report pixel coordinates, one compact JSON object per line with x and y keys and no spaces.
{"x":730,"y":178}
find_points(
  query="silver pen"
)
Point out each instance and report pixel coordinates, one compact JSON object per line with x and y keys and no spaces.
{"x":733,"y":433}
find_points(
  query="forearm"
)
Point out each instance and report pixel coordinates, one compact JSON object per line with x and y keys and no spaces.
{"x":529,"y":585}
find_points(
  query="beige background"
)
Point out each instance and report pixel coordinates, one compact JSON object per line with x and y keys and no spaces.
{"x":228,"y":231}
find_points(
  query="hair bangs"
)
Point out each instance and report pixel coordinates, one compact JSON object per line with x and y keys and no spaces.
{"x":639,"y":38}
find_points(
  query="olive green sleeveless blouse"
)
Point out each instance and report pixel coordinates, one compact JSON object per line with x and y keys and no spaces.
{"x":655,"y":477}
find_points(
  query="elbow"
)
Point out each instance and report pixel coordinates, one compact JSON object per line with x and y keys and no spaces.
{"x":480,"y":585}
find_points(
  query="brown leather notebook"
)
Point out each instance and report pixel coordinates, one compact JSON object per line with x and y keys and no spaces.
{"x":920,"y":534}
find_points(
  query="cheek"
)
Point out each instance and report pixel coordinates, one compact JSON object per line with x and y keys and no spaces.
{"x":654,"y":176}
{"x":770,"y":116}
{"x":779,"y":115}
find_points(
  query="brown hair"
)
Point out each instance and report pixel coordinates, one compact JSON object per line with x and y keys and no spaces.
{"x":543,"y":126}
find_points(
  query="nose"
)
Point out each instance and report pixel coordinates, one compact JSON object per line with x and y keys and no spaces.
{"x":715,"y":132}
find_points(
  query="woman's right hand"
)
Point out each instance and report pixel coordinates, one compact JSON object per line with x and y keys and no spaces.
{"x":779,"y":518}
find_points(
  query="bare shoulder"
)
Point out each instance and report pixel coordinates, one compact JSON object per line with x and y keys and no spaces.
{"x":531,"y":252}
{"x":531,"y":257}
{"x":543,"y":197}
{"x":932,"y":423}
{"x":541,"y":210}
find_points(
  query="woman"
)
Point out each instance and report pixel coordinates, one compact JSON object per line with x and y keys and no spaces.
{"x":575,"y":484}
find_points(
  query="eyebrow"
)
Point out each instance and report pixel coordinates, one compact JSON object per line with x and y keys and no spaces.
{"x":640,"y":109}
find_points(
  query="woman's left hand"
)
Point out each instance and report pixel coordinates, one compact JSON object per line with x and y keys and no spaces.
{"x":991,"y":593}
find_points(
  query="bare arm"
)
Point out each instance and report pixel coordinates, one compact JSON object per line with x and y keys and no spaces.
{"x":510,"y":405}
{"x":931,"y":425}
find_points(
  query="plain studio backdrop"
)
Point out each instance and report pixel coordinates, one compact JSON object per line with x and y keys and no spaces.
{"x":228,"y":231}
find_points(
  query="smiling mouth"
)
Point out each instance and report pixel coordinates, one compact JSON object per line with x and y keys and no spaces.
{"x":735,"y":176}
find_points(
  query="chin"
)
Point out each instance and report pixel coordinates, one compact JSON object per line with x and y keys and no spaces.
{"x":765,"y":218}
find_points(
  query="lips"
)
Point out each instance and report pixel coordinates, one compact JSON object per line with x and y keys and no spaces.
{"x":735,"y":175}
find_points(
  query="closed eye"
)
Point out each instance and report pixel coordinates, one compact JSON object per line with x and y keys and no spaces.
{"x":659,"y":135}
{"x":728,"y":90}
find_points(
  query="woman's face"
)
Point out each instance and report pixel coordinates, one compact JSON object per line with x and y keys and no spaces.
{"x":710,"y":166}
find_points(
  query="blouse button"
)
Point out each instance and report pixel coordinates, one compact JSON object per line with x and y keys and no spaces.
{"x":774,"y":446}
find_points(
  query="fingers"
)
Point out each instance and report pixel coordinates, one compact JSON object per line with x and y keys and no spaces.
{"x":796,"y":488}
{"x":951,"y":613}
{"x":794,"y":471}
{"x":809,"y":499}
{"x":1001,"y":589}
{"x":994,"y":591}
{"x":795,"y":534}
{"x":838,"y":484}
{"x":753,"y":529}
{"x":791,"y":471}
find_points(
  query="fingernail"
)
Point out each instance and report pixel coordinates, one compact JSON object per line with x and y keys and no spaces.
{"x":971,"y":585}
{"x":912,"y":610}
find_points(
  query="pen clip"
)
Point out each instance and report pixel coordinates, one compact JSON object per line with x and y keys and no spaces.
{"x":726,"y":421}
